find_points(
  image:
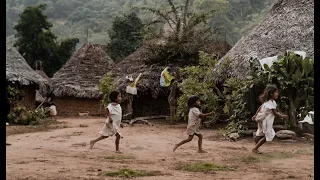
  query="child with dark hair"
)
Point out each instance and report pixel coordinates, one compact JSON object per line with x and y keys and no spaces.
{"x":113,"y":122}
{"x":265,"y":116}
{"x":194,"y":122}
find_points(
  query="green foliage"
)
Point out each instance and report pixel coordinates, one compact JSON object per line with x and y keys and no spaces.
{"x":294,"y":76}
{"x":21,"y":116}
{"x":125,"y":36}
{"x":106,"y":86}
{"x":196,"y":80}
{"x":76,"y":16}
{"x":205,"y":167}
{"x":186,"y":34}
{"x":13,"y":93}
{"x":129,"y":173}
{"x":36,"y":42}
{"x":235,"y":93}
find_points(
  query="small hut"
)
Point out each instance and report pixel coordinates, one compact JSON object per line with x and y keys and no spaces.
{"x":21,"y":76}
{"x":152,"y":99}
{"x":39,"y":98}
{"x":288,"y":26}
{"x":75,"y":85}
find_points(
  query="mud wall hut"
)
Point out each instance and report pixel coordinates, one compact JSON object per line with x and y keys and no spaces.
{"x":288,"y":26}
{"x":75,"y":85}
{"x":21,"y":76}
{"x":152,"y":99}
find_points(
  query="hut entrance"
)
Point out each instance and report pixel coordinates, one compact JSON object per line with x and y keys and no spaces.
{"x":148,"y":106}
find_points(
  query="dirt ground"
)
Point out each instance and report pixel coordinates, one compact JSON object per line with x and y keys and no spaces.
{"x":64,"y":154}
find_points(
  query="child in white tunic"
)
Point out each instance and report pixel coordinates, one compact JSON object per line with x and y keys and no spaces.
{"x":266,"y":112}
{"x":53,"y":111}
{"x":113,"y":122}
{"x":194,"y":122}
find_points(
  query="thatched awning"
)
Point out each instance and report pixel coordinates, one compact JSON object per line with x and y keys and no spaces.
{"x":134,"y":64}
{"x":19,"y":71}
{"x":80,"y":76}
{"x":288,"y":26}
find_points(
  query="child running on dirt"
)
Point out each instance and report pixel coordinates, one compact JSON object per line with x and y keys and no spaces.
{"x":113,"y":122}
{"x":265,"y":116}
{"x":194,"y":122}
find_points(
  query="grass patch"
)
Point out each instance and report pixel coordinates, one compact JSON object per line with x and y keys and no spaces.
{"x":119,"y":157}
{"x":205,"y":167}
{"x":249,"y":159}
{"x":305,"y":151}
{"x":129,"y":173}
{"x":281,"y":155}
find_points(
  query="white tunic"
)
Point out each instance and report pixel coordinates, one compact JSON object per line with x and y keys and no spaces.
{"x":267,"y":124}
{"x":53,"y":110}
{"x":193,"y":121}
{"x":110,"y":129}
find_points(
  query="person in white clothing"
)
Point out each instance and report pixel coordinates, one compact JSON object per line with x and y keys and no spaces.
{"x":113,"y":122}
{"x":266,"y":112}
{"x":53,"y":111}
{"x":194,"y":122}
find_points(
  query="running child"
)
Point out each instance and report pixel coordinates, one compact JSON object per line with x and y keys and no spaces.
{"x":194,"y":122}
{"x":265,"y":116}
{"x":113,"y":122}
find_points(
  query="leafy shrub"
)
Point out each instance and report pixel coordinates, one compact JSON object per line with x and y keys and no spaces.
{"x":294,"y":76}
{"x":21,"y":116}
{"x":106,"y":86}
{"x":196,"y":81}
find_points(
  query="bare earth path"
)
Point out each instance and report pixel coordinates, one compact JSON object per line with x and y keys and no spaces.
{"x":64,"y":154}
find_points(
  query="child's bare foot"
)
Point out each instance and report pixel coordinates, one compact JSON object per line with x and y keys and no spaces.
{"x":8,"y":144}
{"x":256,"y":151}
{"x":91,"y":144}
{"x":175,"y":148}
{"x":202,"y":151}
{"x":118,"y":151}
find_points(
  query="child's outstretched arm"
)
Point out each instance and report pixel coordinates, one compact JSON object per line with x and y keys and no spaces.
{"x":276,"y":113}
{"x":109,"y":116}
{"x":204,"y":115}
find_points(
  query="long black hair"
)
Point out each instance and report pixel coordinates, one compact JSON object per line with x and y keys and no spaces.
{"x":192,"y":101}
{"x":268,"y":93}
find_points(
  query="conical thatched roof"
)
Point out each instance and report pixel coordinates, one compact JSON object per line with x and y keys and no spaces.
{"x":80,"y":76}
{"x":19,"y":71}
{"x":43,"y":74}
{"x":288,"y":26}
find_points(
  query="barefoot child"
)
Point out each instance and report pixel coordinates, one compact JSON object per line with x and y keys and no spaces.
{"x":194,"y":122}
{"x":113,"y":122}
{"x":265,"y":117}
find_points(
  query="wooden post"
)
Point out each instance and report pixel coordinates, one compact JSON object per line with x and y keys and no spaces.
{"x":129,"y":104}
{"x":172,"y":98}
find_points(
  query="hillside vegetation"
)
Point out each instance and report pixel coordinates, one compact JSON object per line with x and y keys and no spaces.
{"x":90,"y":20}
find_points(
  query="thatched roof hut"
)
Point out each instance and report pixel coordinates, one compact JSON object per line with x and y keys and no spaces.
{"x":288,"y":26}
{"x":19,"y":71}
{"x":149,"y":82}
{"x":80,"y":75}
{"x":20,"y":75}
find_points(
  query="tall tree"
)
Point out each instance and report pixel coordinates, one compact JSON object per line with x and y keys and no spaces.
{"x":36,"y":42}
{"x":125,"y":36}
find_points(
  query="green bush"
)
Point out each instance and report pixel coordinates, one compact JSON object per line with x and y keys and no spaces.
{"x":106,"y":86}
{"x":197,"y":81}
{"x":21,"y":116}
{"x":294,"y":76}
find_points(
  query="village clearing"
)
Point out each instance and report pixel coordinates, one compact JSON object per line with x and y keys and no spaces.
{"x":63,"y":153}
